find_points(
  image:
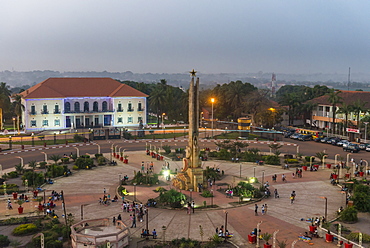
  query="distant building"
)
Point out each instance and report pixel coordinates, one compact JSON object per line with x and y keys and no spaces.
{"x":63,"y":103}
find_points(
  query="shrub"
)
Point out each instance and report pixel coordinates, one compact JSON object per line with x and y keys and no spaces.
{"x":33,"y":178}
{"x":42,"y":164}
{"x":160,"y":189}
{"x":98,"y":155}
{"x":349,"y":215}
{"x":167,"y":149}
{"x":354,"y":237}
{"x":207,"y":193}
{"x":172,"y":197}
{"x":13,"y":174}
{"x":101,"y":160}
{"x":291,"y":161}
{"x":75,"y":167}
{"x":271,"y":159}
{"x":55,"y":171}
{"x":4,"y":241}
{"x":84,"y":162}
{"x":307,"y":158}
{"x":25,"y":229}
{"x":65,"y":160}
{"x":78,"y":138}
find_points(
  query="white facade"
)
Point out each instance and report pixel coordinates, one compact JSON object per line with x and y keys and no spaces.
{"x":78,"y":112}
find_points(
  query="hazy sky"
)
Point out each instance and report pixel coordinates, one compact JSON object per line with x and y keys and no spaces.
{"x":170,"y":36}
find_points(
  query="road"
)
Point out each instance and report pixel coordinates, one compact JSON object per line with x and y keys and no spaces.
{"x":307,"y":148}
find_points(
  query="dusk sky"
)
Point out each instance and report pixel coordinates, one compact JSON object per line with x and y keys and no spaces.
{"x":171,"y":36}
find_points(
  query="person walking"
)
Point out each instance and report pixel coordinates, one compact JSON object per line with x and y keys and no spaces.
{"x":105,"y":191}
{"x":292,"y":197}
{"x":193,"y":205}
{"x":119,"y":217}
{"x":276,"y":194}
{"x":263,"y":209}
{"x":133,"y":217}
{"x":256,"y":209}
{"x":114,"y":220}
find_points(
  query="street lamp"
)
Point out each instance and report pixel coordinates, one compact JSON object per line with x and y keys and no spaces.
{"x":366,"y":129}
{"x":191,"y":194}
{"x":258,"y":234}
{"x":212,"y":101}
{"x":33,"y":139}
{"x":225,"y":223}
{"x":366,"y":167}
{"x":163,"y":114}
{"x":98,"y":147}
{"x":78,"y":151}
{"x":21,"y":160}
{"x":46,"y":156}
{"x":134,"y":192}
{"x":14,"y":125}
{"x":326,"y":207}
{"x":323,"y":161}
{"x":263,"y":176}
{"x":211,"y":197}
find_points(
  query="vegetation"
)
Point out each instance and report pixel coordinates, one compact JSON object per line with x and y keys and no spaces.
{"x":25,"y":229}
{"x":173,"y":198}
{"x":4,"y":241}
{"x":145,"y":178}
{"x":349,"y":215}
{"x":361,"y":198}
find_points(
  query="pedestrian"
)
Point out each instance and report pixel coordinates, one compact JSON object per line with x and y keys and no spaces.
{"x":133,"y":217}
{"x":283,"y":178}
{"x":154,"y":234}
{"x":216,"y":230}
{"x":292,"y":197}
{"x":119,"y":217}
{"x":114,"y":220}
{"x":263,"y":209}
{"x":189,"y":208}
{"x":105,"y":191}
{"x":276,"y":194}
{"x":193,"y":205}
{"x":256,"y":209}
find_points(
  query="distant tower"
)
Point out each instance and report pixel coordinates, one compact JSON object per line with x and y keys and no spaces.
{"x":273,"y":84}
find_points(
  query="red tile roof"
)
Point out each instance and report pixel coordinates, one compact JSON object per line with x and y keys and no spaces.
{"x":349,"y":97}
{"x":81,"y":87}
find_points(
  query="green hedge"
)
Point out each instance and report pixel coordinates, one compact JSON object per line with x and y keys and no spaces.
{"x":25,"y":229}
{"x":354,"y":237}
{"x":4,"y":241}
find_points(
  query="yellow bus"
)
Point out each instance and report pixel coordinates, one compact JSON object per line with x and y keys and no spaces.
{"x":315,"y":133}
{"x":244,"y":123}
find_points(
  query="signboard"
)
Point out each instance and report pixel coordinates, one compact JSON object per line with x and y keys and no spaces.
{"x":353,"y":130}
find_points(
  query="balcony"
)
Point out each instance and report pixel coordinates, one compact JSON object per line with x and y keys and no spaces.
{"x":140,"y":109}
{"x":56,"y":111}
{"x":44,"y":112}
{"x":32,"y":112}
{"x":130,"y":110}
{"x":119,"y":110}
{"x":87,"y":112}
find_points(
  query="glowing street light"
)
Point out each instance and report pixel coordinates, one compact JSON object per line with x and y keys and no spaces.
{"x":212,"y":101}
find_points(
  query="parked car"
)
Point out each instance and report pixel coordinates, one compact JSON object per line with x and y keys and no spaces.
{"x":318,"y":139}
{"x":294,"y":136}
{"x":288,"y":134}
{"x":324,"y":140}
{"x":305,"y":137}
{"x":345,"y":144}
{"x":362,"y":146}
{"x":351,"y":148}
{"x":340,"y":143}
{"x":335,"y":141}
{"x":367,"y":148}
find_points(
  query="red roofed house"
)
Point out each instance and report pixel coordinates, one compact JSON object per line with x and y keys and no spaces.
{"x":60,"y":103}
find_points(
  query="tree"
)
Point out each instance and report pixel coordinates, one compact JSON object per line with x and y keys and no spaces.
{"x":357,"y":107}
{"x":334,"y":99}
{"x":18,"y":108}
{"x":346,"y":110}
{"x":55,"y":158}
{"x":157,"y":101}
{"x":320,"y":155}
{"x":309,"y":107}
{"x":275,"y":148}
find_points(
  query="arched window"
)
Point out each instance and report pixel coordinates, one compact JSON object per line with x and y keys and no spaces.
{"x":77,"y":107}
{"x":119,"y":107}
{"x":129,"y":107}
{"x":139,"y":107}
{"x":104,"y":106}
{"x":95,"y":107}
{"x":86,"y":106}
{"x":67,"y":107}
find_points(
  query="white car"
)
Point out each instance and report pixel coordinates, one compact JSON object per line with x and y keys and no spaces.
{"x":367,"y":148}
{"x":346,"y":143}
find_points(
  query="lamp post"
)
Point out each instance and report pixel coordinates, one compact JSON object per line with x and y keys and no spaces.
{"x":111,"y":148}
{"x":22,"y":164}
{"x":366,"y":130}
{"x":226,"y":213}
{"x":336,"y":158}
{"x":33,"y":139}
{"x":274,"y":238}
{"x":258,"y":234}
{"x":98,"y":147}
{"x":163,"y":114}
{"x":240,"y":170}
{"x":14,"y":125}
{"x":211,"y":197}
{"x":78,"y":151}
{"x":323,"y":161}
{"x":326,"y":207}
{"x":10,"y":143}
{"x":254,"y":172}
{"x":212,"y":101}
{"x":134,"y":191}
{"x":55,"y":138}
{"x":1,"y":170}
{"x":263,"y":176}
{"x":191,"y":194}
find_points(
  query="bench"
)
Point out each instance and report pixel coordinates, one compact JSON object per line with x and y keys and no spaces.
{"x":144,"y":235}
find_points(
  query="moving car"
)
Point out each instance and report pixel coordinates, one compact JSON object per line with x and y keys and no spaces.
{"x":305,"y":137}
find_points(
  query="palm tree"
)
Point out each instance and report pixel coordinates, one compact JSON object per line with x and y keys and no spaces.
{"x":357,"y":107}
{"x":292,"y":101}
{"x":157,"y":101}
{"x":346,"y":110}
{"x":32,"y":164}
{"x":235,"y":95}
{"x":18,"y":108}
{"x":309,"y":107}
{"x":335,"y":99}
{"x":55,"y":158}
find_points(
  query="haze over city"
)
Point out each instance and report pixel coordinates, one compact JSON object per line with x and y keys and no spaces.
{"x":176,"y":36}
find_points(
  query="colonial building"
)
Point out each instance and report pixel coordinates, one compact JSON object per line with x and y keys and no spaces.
{"x":62,"y":103}
{"x":322,"y":116}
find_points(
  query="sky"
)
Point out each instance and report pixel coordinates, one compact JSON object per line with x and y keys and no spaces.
{"x":173,"y":36}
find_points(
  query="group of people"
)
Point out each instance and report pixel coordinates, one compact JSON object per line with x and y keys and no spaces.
{"x":191,"y":207}
{"x":145,"y":233}
{"x":264,"y":208}
{"x":223,"y":233}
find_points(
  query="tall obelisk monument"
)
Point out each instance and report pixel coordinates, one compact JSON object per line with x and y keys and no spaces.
{"x":191,"y":175}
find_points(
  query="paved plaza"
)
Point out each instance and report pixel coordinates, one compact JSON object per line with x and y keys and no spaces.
{"x":86,"y":187}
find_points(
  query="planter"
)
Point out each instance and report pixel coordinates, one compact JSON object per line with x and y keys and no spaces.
{"x":304,"y":168}
{"x":348,"y":245}
{"x":161,"y":158}
{"x":15,"y":195}
{"x":20,"y":210}
{"x":252,"y":239}
{"x":125,"y":161}
{"x":312,"y":228}
{"x":328,"y":166}
{"x":267,"y":246}
{"x":117,"y":155}
{"x":121,"y":158}
{"x":329,"y":237}
{"x":361,"y":173}
{"x":347,"y":175}
{"x":114,"y":154}
{"x":317,"y":166}
{"x":335,"y":176}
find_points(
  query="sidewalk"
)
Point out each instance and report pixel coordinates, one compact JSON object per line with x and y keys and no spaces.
{"x":85,"y":188}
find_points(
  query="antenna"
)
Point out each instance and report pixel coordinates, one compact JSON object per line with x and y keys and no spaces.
{"x":349,"y":77}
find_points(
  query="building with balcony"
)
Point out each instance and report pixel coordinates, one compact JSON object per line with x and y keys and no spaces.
{"x":322,"y":115}
{"x":64,"y":103}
